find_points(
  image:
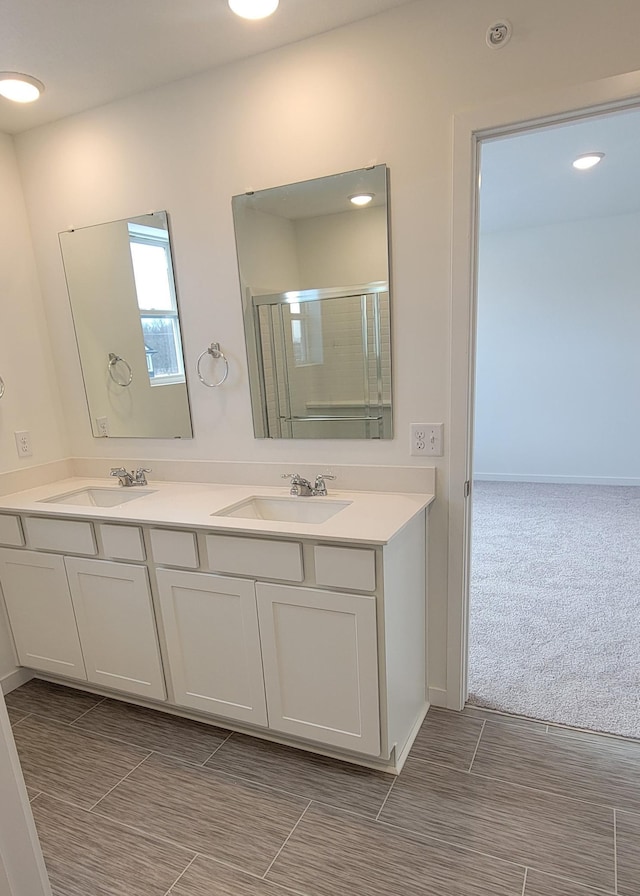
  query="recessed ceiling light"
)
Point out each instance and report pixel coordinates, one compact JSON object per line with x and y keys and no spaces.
{"x":588,"y":160}
{"x":361,"y":198}
{"x":253,"y":9}
{"x":20,"y":88}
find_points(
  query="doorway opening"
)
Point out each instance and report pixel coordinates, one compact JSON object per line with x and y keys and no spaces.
{"x":554,"y":624}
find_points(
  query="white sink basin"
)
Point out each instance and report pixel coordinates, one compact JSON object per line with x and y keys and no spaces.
{"x":99,"y":497}
{"x":285,"y":510}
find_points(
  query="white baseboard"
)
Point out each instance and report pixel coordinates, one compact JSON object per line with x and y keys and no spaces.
{"x":13,"y":680}
{"x":563,"y":480}
{"x":438,"y":697}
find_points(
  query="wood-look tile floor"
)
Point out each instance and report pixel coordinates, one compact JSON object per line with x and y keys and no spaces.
{"x":130,"y":802}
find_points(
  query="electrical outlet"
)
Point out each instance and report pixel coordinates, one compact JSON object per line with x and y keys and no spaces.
{"x":23,"y":443}
{"x":103,"y":427}
{"x":426,"y":439}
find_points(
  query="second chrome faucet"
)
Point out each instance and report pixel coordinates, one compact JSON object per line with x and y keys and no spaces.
{"x":130,"y":479}
{"x":303,"y":488}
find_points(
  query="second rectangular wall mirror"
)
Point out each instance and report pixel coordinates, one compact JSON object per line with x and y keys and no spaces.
{"x":126,"y":317}
{"x":314,"y":276}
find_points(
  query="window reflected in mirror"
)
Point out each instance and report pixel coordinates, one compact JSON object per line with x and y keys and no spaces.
{"x":126,"y":317}
{"x":156,"y":296}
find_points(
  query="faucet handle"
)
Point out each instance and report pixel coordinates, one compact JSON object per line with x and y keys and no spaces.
{"x":117,"y":471}
{"x":141,"y":479}
{"x":320,"y":486}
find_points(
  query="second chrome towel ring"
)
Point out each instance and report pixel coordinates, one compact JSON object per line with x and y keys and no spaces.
{"x":214,"y":351}
{"x":116,"y":359}
{"x":1,"y":387}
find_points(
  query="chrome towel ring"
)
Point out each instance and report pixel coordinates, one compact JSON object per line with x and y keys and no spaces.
{"x":1,"y":387}
{"x":116,"y":359}
{"x":214,"y":351}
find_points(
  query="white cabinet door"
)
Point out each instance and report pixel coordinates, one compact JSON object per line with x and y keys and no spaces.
{"x":211,"y":629}
{"x":40,"y":611}
{"x":112,"y":602}
{"x":320,"y":659}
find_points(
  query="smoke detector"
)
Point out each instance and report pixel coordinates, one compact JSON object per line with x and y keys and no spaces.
{"x":499,"y":34}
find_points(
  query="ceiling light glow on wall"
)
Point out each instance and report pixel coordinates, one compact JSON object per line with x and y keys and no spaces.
{"x":253,"y":9}
{"x":20,"y":88}
{"x":361,"y":198}
{"x":588,"y":160}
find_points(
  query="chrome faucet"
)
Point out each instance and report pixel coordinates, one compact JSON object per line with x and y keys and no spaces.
{"x":127,"y":479}
{"x":299,"y":486}
{"x":303,"y":488}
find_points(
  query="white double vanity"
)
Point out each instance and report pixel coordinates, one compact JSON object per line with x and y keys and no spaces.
{"x":301,"y":620}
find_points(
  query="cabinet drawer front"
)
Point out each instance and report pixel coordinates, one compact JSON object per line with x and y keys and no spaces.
{"x":122,"y":542}
{"x":10,"y":530}
{"x":319,"y":650}
{"x":345,"y":567}
{"x":40,"y":612}
{"x":66,"y":536}
{"x":255,"y":557}
{"x":171,"y":548}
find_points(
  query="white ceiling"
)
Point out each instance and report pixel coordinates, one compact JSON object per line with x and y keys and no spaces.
{"x":90,"y":52}
{"x":528,"y":179}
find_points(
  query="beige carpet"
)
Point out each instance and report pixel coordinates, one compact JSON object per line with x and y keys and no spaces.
{"x":555,"y":603}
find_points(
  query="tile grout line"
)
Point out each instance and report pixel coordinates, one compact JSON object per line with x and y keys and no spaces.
{"x":384,"y":802}
{"x":271,"y":864}
{"x":252,"y":874}
{"x":83,"y":714}
{"x":111,"y":738}
{"x":136,"y":830}
{"x":457,"y":845}
{"x":553,"y":729}
{"x":524,"y":882}
{"x":230,"y":734}
{"x":130,"y":772}
{"x":475,"y":752}
{"x":19,"y":722}
{"x":615,"y":852}
{"x":236,"y":775}
{"x":59,"y":799}
{"x":552,"y":793}
{"x":496,"y":858}
{"x":184,"y":871}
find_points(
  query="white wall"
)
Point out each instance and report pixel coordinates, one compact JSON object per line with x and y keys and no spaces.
{"x":32,"y":399}
{"x":190,"y":146}
{"x":270,"y":261}
{"x":344,"y":249}
{"x":558,"y":363}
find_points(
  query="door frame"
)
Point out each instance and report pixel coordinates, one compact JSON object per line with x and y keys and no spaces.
{"x":22,"y":867}
{"x":470,"y":128}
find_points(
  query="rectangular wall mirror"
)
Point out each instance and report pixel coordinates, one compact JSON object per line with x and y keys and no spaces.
{"x":126,"y":317}
{"x":314,"y":277}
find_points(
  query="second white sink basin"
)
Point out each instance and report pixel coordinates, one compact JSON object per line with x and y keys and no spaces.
{"x":99,"y":497}
{"x":285,"y":510}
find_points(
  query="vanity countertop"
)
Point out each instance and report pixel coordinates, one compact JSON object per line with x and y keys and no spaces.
{"x":370,"y":517}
